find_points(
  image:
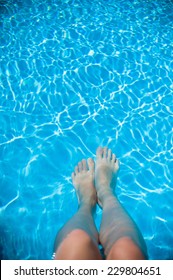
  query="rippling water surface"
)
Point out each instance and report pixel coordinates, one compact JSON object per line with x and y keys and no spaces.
{"x":75,"y":75}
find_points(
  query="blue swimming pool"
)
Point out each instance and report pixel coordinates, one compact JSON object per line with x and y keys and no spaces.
{"x":75,"y":75}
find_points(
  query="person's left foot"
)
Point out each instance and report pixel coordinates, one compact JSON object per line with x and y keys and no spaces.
{"x":83,"y":181}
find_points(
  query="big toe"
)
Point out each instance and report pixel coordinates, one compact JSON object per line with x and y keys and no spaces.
{"x":99,"y":152}
{"x":90,"y":162}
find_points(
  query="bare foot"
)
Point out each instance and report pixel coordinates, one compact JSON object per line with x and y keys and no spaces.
{"x":106,"y":170}
{"x":83,"y":181}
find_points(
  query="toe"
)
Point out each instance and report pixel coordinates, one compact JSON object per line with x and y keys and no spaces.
{"x":109,"y":154}
{"x":114,"y":158}
{"x":80,"y":167}
{"x":76,"y":170}
{"x":117,"y":164}
{"x":84,"y":164}
{"x":73,"y":176}
{"x":99,"y":152}
{"x":90,"y":164}
{"x":105,"y":152}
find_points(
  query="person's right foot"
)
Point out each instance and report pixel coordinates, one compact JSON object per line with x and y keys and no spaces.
{"x":105,"y":173}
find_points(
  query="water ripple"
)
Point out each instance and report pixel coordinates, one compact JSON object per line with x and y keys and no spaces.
{"x":73,"y":77}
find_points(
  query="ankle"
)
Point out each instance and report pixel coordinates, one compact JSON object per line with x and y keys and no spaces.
{"x":108,"y":199}
{"x":104,"y":193}
{"x":87,"y":204}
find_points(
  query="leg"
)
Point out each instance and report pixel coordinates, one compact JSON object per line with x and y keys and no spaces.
{"x":78,"y":239}
{"x":119,"y":235}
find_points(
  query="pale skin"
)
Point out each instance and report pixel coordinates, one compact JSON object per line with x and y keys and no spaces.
{"x":119,"y":235}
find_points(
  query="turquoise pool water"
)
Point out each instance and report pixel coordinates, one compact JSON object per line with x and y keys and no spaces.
{"x":75,"y":75}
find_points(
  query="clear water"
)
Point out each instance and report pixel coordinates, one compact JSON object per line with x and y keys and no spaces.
{"x":75,"y":75}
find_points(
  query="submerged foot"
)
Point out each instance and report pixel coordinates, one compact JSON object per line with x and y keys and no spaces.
{"x":105,"y":173}
{"x":83,"y":181}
